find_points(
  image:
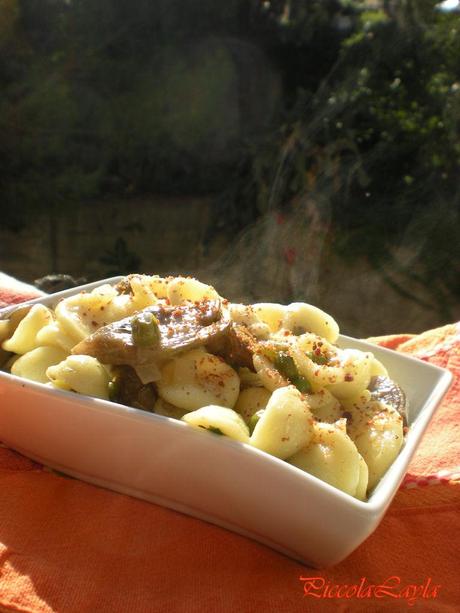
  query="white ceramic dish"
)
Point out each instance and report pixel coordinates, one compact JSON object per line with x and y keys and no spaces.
{"x":219,"y":480}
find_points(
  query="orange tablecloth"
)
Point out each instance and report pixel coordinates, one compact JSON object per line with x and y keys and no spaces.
{"x":66,"y":546}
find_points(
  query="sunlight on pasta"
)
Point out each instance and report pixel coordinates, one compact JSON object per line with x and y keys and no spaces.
{"x":196,"y":379}
{"x":82,"y":374}
{"x":34,"y":364}
{"x":24,"y":338}
{"x":354,"y":374}
{"x":285,"y":426}
{"x":185,"y":288}
{"x":82,"y":314}
{"x":300,"y":318}
{"x":54,"y":335}
{"x":143,"y":294}
{"x":245,"y":315}
{"x":158,"y":285}
{"x":271,"y":314}
{"x":377,"y":368}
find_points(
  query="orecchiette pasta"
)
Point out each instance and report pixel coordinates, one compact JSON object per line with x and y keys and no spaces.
{"x":285,"y":426}
{"x":245,"y":315}
{"x":196,"y":379}
{"x":53,"y":334}
{"x":301,"y":318}
{"x":268,"y":375}
{"x":378,"y":369}
{"x":248,"y":378}
{"x":24,"y":338}
{"x":143,"y":293}
{"x":219,"y":420}
{"x":363,"y":481}
{"x":333,"y":457}
{"x":34,"y":364}
{"x":271,"y":378}
{"x":325,"y":406}
{"x":4,"y":329}
{"x":69,"y":314}
{"x":184,"y":288}
{"x":82,"y":374}
{"x":157,"y":284}
{"x":377,"y":430}
{"x":271,"y":314}
{"x":251,"y":400}
{"x":354,"y":374}
{"x":80,"y":315}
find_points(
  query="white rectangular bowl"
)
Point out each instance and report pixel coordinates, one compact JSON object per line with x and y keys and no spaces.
{"x":213,"y":478}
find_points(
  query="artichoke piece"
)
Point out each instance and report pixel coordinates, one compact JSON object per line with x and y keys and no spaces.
{"x":179,"y":328}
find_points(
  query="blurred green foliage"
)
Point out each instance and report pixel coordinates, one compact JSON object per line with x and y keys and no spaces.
{"x":375,"y":141}
{"x":103,"y":98}
{"x":119,"y":260}
{"x":110,"y":97}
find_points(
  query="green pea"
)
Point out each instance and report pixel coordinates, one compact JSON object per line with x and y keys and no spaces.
{"x":145,"y":329}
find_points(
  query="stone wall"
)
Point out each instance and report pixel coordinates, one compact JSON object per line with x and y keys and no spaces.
{"x":165,"y":234}
{"x":270,"y":261}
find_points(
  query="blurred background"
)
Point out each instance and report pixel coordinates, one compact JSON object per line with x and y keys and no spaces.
{"x":285,"y":150}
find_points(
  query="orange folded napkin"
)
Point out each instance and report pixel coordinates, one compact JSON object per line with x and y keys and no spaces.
{"x":66,"y":546}
{"x":13,"y":291}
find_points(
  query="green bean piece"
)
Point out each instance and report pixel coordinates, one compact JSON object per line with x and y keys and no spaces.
{"x":145,"y":330}
{"x":254,"y":420}
{"x":320,"y":358}
{"x":215,"y":430}
{"x":286,"y":365}
{"x":302,"y":384}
